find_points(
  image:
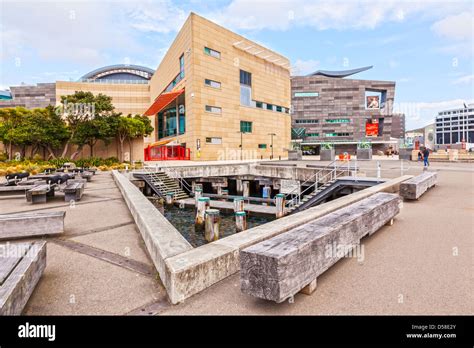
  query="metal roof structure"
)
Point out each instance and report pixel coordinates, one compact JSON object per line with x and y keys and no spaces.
{"x":340,"y":73}
{"x":120,"y":72}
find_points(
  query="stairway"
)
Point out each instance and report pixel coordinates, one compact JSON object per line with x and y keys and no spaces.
{"x":311,"y":196}
{"x":162,"y":184}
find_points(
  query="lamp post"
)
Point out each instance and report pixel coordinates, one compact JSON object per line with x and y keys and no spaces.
{"x":241,"y":142}
{"x":271,"y":134}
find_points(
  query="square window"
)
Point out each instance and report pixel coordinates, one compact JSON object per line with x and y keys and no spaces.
{"x":245,"y":127}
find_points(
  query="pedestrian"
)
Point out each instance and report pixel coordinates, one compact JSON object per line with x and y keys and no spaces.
{"x":420,"y":156}
{"x":426,"y":154}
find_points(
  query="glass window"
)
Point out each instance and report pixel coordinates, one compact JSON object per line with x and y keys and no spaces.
{"x":212,"y":83}
{"x":214,"y":141}
{"x":338,"y":120}
{"x":259,"y":105}
{"x":278,"y":108}
{"x":312,"y":134}
{"x":245,"y":78}
{"x":212,"y":53}
{"x":245,"y":95}
{"x":262,"y":146}
{"x":270,"y":107}
{"x":213,"y":109}
{"x":181,"y":66}
{"x":306,"y":94}
{"x":245,"y":127}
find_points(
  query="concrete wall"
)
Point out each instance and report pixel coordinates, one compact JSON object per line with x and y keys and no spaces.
{"x":102,"y":150}
{"x":30,"y":97}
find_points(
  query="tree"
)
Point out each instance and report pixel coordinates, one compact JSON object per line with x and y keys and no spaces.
{"x":12,"y":128}
{"x":79,"y":111}
{"x":129,"y":128}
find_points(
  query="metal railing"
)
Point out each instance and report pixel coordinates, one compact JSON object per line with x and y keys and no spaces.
{"x":315,"y":179}
{"x":185,"y":186}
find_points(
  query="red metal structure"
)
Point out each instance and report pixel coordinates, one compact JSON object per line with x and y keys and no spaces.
{"x":167,"y":153}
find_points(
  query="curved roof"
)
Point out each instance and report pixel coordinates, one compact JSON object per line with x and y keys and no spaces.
{"x":5,"y":95}
{"x":120,"y":72}
{"x":340,"y":73}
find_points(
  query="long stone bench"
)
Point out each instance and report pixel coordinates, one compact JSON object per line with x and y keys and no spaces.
{"x":39,"y":193}
{"x":278,"y":268}
{"x":87,"y":176}
{"x":415,"y":187}
{"x":73,"y":191}
{"x":13,"y":190}
{"x":21,"y":267}
{"x":21,"y":225}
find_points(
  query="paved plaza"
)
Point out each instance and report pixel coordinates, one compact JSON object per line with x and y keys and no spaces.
{"x":420,"y":265}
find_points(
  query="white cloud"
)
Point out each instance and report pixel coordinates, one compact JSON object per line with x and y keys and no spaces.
{"x":327,"y":14}
{"x":304,"y":67}
{"x":159,"y":16}
{"x":464,"y":79}
{"x":455,"y":27}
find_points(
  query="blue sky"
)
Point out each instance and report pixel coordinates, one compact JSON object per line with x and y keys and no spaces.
{"x":425,"y":46}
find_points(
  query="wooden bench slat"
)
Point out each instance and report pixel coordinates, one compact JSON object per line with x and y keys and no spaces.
{"x":415,"y":187}
{"x":23,"y":278}
{"x":278,"y":268}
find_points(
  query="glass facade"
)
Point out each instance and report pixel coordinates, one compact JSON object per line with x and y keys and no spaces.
{"x":245,"y":88}
{"x":172,"y":121}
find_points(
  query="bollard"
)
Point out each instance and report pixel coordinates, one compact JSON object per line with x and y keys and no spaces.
{"x":266,"y":193}
{"x":280,"y":205}
{"x":238,"y":204}
{"x":378,"y":169}
{"x":246,"y":187}
{"x":203,"y":204}
{"x":197,"y":195}
{"x":240,"y":221}
{"x":239,"y":186}
{"x":211,"y":232}
{"x":170,"y":198}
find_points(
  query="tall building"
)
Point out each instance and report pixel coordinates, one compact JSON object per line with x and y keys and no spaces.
{"x":327,"y":107}
{"x":455,"y":126}
{"x":217,"y":95}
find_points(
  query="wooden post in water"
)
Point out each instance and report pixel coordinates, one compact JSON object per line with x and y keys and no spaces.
{"x":197,"y":195}
{"x":211,"y":232}
{"x":246,"y":188}
{"x":238,"y":204}
{"x":170,"y":198}
{"x":203,"y":204}
{"x":280,"y":205}
{"x":239,"y":186}
{"x":266,"y":193}
{"x":240,"y":221}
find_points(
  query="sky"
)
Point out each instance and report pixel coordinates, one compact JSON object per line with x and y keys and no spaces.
{"x":426,"y":47}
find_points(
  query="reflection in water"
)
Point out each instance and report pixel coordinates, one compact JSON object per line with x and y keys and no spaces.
{"x":183,"y":220}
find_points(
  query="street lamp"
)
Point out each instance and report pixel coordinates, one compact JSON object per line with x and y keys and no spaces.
{"x":271,"y":134}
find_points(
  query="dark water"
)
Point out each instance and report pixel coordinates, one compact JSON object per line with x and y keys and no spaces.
{"x":183,"y":220}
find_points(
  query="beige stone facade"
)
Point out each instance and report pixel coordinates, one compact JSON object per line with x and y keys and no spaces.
{"x":127,"y":98}
{"x":218,"y":134}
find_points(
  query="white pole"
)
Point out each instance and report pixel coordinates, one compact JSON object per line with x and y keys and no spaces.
{"x":378,"y":169}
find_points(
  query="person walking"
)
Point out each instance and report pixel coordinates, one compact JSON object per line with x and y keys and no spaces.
{"x":426,"y":154}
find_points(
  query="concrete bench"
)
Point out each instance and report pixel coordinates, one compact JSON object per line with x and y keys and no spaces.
{"x":21,"y":225}
{"x":278,"y":268}
{"x":415,"y":187}
{"x":21,"y":267}
{"x":83,"y":181}
{"x":87,"y":176}
{"x":13,"y":190}
{"x":73,"y":191}
{"x":39,"y":193}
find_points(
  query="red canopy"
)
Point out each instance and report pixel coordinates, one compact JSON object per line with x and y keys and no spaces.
{"x":162,"y":101}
